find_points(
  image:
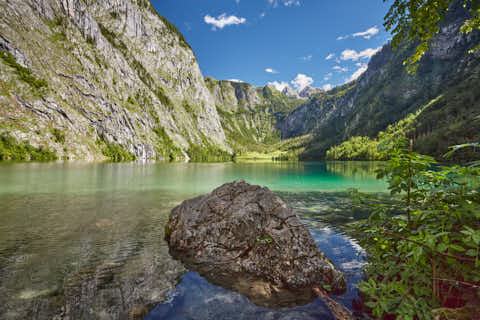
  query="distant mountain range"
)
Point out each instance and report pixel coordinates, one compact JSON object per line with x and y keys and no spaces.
{"x":114,"y":78}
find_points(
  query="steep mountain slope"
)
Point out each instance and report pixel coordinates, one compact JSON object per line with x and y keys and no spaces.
{"x":249,"y":114}
{"x":88,"y":79}
{"x":84,"y":79}
{"x":386,"y":93}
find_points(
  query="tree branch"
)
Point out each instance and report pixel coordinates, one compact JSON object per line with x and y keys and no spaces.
{"x":459,"y":282}
{"x":427,"y":247}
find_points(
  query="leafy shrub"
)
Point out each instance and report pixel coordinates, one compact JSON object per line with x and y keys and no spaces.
{"x":10,"y":149}
{"x":91,"y":40}
{"x":208,"y":154}
{"x":428,"y":256}
{"x":114,"y":15}
{"x":131,"y":100}
{"x":58,"y":135}
{"x":356,"y":148}
{"x":113,"y":38}
{"x":23,"y":73}
{"x":59,"y":36}
{"x":58,"y":22}
{"x":167,"y":147}
{"x":114,"y":151}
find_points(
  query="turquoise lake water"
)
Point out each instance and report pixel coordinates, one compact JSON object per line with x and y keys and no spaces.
{"x":61,"y":220}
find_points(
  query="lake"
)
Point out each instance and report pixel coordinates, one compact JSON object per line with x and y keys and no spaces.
{"x":86,"y":239}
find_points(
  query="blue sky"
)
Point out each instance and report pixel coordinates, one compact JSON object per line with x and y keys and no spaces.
{"x":280,"y":41}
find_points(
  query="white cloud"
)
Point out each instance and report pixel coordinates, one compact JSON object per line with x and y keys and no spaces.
{"x":307,"y":58}
{"x":340,"y":69}
{"x":289,"y":3}
{"x":301,"y":81}
{"x":274,"y":3}
{"x":367,"y":34}
{"x":262,"y":14}
{"x":223,"y":20}
{"x":357,"y":73}
{"x":235,"y":80}
{"x":328,"y":76}
{"x":270,"y":70}
{"x":237,"y":1}
{"x":327,"y":87}
{"x":286,"y":3}
{"x":330,"y":56}
{"x":278,"y":85}
{"x":354,"y":55}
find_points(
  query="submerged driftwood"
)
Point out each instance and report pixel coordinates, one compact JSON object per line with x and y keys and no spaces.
{"x":245,"y":238}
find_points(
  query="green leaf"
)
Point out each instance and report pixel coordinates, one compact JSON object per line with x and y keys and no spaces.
{"x":471,"y":252}
{"x":442,"y":247}
{"x":457,"y":248}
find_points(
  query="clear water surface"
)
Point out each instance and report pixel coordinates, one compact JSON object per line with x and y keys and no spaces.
{"x":60,"y":222}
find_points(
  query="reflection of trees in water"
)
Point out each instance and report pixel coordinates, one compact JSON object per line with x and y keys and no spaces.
{"x":355,"y":169}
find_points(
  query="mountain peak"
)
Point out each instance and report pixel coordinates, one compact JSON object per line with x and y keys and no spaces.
{"x":290,"y":93}
{"x":308,"y":91}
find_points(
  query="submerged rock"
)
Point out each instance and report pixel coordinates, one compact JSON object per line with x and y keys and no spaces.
{"x":243,"y":234}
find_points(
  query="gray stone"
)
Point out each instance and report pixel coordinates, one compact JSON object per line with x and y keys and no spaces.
{"x":247,"y":234}
{"x":289,"y":92}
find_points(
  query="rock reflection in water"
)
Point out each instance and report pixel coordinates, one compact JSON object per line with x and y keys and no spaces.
{"x":326,"y":215}
{"x":197,"y":298}
{"x":258,"y":291}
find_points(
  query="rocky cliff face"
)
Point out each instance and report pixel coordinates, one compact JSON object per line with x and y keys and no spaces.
{"x":386,"y":93}
{"x":88,"y":77}
{"x":249,"y":114}
{"x":309,"y":91}
{"x":289,"y":92}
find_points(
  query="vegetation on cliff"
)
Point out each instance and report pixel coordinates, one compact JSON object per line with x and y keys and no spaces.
{"x":11,"y":149}
{"x":383,"y":101}
{"x":419,"y":21}
{"x":86,"y":70}
{"x":24,"y":74}
{"x":436,"y":105}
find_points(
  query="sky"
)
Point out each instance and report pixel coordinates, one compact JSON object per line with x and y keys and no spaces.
{"x":322,"y":43}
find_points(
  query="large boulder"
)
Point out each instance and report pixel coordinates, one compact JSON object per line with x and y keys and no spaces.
{"x":242,"y":233}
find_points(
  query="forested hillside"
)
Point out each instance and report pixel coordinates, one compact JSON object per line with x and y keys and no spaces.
{"x":447,"y":81}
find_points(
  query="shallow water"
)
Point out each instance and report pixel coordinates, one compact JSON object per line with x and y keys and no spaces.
{"x":85,"y":230}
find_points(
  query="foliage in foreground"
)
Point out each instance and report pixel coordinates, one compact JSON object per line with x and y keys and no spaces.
{"x":427,"y":257}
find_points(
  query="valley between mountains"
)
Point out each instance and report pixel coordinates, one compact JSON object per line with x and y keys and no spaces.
{"x":115,"y":80}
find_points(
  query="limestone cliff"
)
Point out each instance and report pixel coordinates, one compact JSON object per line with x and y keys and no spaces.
{"x":86,"y":78}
